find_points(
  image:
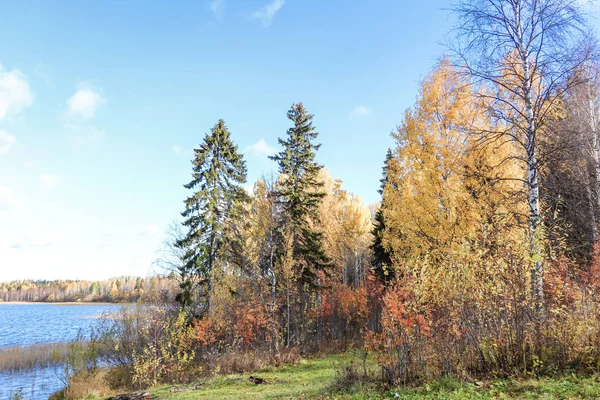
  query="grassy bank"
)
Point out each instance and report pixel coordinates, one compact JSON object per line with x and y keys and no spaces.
{"x":320,"y":378}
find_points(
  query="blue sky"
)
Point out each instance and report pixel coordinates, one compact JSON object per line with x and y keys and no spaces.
{"x":102,"y":102}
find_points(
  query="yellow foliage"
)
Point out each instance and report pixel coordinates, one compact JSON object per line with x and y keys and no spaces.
{"x":447,"y":201}
{"x":346,"y":224}
{"x":168,"y":356}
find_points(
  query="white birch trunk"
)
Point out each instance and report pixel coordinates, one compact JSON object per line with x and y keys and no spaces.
{"x":537,"y":269}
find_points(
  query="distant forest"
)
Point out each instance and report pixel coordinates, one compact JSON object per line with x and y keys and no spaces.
{"x":123,"y":289}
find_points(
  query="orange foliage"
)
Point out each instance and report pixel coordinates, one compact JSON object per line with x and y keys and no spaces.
{"x":204,"y":331}
{"x":250,"y":322}
{"x":350,"y":304}
{"x":247,"y":323}
{"x":400,"y":313}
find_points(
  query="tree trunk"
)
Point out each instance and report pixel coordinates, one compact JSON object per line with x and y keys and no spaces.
{"x":537,"y":271}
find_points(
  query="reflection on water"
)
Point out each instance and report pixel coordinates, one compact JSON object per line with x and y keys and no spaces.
{"x":24,"y":324}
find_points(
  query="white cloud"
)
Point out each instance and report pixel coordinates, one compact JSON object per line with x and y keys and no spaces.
{"x":176,"y":148}
{"x":49,"y":181}
{"x":8,"y":199}
{"x":15,"y":94}
{"x":84,"y":103}
{"x":6,"y":142}
{"x":29,"y":163}
{"x":260,"y":149}
{"x":266,"y":14}
{"x":81,"y":108}
{"x":217,"y":7}
{"x":359,"y":112}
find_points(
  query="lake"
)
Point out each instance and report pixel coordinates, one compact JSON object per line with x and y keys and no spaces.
{"x":24,"y":324}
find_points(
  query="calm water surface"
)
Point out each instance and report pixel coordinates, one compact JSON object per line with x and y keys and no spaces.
{"x":23,"y":324}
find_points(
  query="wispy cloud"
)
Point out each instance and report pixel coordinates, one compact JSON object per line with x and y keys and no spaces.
{"x":8,"y":199}
{"x":48,"y":181}
{"x":84,"y":103}
{"x":176,"y":148}
{"x":260,"y":149}
{"x":6,"y":142}
{"x":266,"y":14}
{"x":81,"y":109}
{"x":217,"y":7}
{"x":15,"y":94}
{"x":359,"y":112}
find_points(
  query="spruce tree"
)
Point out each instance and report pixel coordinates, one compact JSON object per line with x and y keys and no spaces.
{"x":300,"y":195}
{"x":219,"y":170}
{"x":381,"y":261}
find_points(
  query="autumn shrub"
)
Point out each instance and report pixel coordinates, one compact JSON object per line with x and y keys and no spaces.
{"x":82,"y":355}
{"x":85,"y":384}
{"x":146,"y":345}
{"x":400,"y":344}
{"x":344,"y":310}
{"x":169,"y":354}
{"x":244,"y":326}
{"x":571,"y":332}
{"x":491,"y":329}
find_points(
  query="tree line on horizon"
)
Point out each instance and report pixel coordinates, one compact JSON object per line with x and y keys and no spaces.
{"x":125,"y":289}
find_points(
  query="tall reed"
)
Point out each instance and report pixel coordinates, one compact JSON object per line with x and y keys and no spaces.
{"x":22,"y":358}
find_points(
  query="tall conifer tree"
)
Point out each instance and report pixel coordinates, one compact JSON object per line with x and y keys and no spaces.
{"x":219,"y":170}
{"x":300,"y":193}
{"x":381,"y":260}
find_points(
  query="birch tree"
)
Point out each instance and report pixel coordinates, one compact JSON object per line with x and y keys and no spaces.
{"x":525,"y":49}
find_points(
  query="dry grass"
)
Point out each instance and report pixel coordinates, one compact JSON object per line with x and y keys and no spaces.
{"x":248,"y":361}
{"x":22,"y":358}
{"x":84,"y":385}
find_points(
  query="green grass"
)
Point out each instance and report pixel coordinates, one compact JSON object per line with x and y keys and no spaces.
{"x":314,"y":378}
{"x":559,"y":388}
{"x":307,"y":379}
